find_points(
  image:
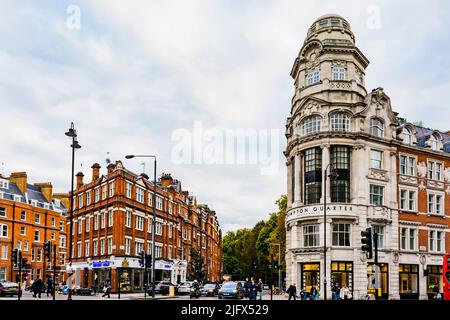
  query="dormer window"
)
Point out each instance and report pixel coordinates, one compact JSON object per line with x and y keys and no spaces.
{"x":340,"y":122}
{"x":313,"y":77}
{"x":338,"y":73}
{"x":407,"y":136}
{"x":376,"y":127}
{"x":434,"y":143}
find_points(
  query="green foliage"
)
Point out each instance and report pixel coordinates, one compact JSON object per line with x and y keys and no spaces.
{"x":239,"y":248}
{"x":197,"y":263}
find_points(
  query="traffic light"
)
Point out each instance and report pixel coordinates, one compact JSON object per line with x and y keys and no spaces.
{"x":25,"y":263}
{"x":276,"y":265}
{"x":255,"y":264}
{"x":14,"y":255}
{"x":48,"y":250}
{"x":366,"y":240}
{"x":148,"y":260}
{"x":142,"y":258}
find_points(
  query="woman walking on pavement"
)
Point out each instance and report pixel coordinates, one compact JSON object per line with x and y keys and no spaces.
{"x":107,"y":289}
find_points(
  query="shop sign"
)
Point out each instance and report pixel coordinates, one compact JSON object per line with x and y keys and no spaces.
{"x":317,"y":210}
{"x":101,"y":264}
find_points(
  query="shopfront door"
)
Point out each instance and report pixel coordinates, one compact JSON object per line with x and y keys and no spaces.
{"x":342,"y":274}
{"x":310,"y":277}
{"x":409,"y":281}
{"x":383,"y":280}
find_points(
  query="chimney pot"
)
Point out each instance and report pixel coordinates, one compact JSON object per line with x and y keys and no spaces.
{"x":95,"y":171}
{"x":79,"y":176}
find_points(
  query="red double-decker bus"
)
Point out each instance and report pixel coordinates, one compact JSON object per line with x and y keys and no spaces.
{"x":446,"y":277}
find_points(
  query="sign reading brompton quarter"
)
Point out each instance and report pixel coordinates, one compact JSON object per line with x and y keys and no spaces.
{"x":318,"y":210}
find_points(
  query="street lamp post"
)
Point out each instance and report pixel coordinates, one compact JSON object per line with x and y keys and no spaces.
{"x":333,"y":175}
{"x":131,"y":156}
{"x":279,"y":263}
{"x":71,"y":133}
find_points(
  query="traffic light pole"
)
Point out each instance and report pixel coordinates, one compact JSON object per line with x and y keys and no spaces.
{"x":271,"y":281}
{"x":54,"y":272}
{"x":20,"y":275}
{"x":377,"y":272}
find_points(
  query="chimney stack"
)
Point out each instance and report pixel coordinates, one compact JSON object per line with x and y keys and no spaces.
{"x":110,"y":168}
{"x":46,"y":189}
{"x":20,"y":179}
{"x":64,"y":198}
{"x":95,"y":171}
{"x":79,"y":176}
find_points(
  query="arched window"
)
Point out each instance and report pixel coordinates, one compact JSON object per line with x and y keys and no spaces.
{"x":340,"y":122}
{"x":407,"y":136}
{"x":376,"y":127}
{"x":434,"y":143}
{"x":310,"y":125}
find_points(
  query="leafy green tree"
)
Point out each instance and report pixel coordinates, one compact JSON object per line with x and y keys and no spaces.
{"x":197,"y":265}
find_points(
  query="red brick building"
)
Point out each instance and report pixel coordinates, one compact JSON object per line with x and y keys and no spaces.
{"x":112,"y":224}
{"x":31,"y":215}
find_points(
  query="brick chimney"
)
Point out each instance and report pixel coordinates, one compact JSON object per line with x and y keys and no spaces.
{"x":166,"y":179}
{"x":110,"y":168}
{"x":95,"y":171}
{"x":79,"y":176}
{"x":46,"y":189}
{"x":20,"y":179}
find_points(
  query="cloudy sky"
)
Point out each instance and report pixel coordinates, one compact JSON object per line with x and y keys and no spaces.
{"x":136,"y":72}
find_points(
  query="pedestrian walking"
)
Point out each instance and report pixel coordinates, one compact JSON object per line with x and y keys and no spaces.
{"x":344,"y":293}
{"x":107,"y":289}
{"x":49,"y":286}
{"x":253,"y":289}
{"x":246,"y":288}
{"x":313,"y":293}
{"x":37,"y":287}
{"x":292,"y":291}
{"x":260,"y":289}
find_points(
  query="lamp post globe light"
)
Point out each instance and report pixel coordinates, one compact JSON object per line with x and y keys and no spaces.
{"x":71,"y":133}
{"x":131,"y":156}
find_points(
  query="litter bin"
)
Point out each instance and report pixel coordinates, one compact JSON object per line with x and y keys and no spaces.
{"x":171,"y":291}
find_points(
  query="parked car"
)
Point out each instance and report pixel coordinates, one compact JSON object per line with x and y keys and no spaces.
{"x":265,"y":287}
{"x":231,"y":290}
{"x":210,"y":289}
{"x":8,"y":288}
{"x":162,"y":287}
{"x":184,"y":288}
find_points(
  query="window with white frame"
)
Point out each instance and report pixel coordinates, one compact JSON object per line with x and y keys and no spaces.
{"x":139,"y":223}
{"x":310,"y":125}
{"x":110,"y":217}
{"x":95,"y":247}
{"x":407,"y":200}
{"x":19,"y":245}
{"x":435,"y":241}
{"x":138,"y":246}
{"x":408,"y":239}
{"x":102,"y":220}
{"x":170,"y":207}
{"x":169,"y":252}
{"x":149,"y":247}
{"x":313,"y":77}
{"x":338,"y":73}
{"x":4,"y":252}
{"x":111,"y":189}
{"x":376,"y":159}
{"x":97,"y":194}
{"x":25,"y":245}
{"x":128,"y":188}
{"x":341,"y":234}
{"x":80,"y":226}
{"x":23,"y":215}
{"x":150,"y":199}
{"x":434,"y":170}
{"x":158,"y":228}
{"x":96,"y":221}
{"x":110,"y":243}
{"x":53,"y":236}
{"x":435,"y":203}
{"x":33,"y":255}
{"x":158,"y":250}
{"x":340,"y":121}
{"x":37,"y":235}
{"x":434,"y":143}
{"x":377,"y":127}
{"x":149,"y":225}
{"x":311,"y":235}
{"x":376,"y":195}
{"x":80,"y":200}
{"x":127,"y":245}
{"x":23,"y":231}
{"x":39,"y":255}
{"x":407,"y":136}
{"x":3,"y":212}
{"x":88,"y":224}
{"x":102,"y":246}
{"x":79,"y":249}
{"x":104,"y":192}
{"x":139,"y":195}
{"x":3,"y":230}
{"x":87,"y":251}
{"x":380,"y":231}
{"x":407,"y":165}
{"x":170,"y":231}
{"x":88,"y":197}
{"x":159,"y":203}
{"x":37,"y":218}
{"x":53,"y":222}
{"x":62,"y":241}
{"x":128,"y":219}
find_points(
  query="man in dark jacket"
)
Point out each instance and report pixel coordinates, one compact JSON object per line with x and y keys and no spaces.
{"x":49,"y":286}
{"x":292,"y":291}
{"x":247,"y":288}
{"x":38,"y":286}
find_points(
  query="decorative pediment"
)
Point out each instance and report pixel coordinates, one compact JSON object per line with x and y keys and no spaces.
{"x":309,"y":106}
{"x":378,"y":104}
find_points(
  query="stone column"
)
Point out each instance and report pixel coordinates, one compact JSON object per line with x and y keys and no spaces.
{"x":298,"y":178}
{"x":294,"y":236}
{"x":422,"y":283}
{"x":394,"y":282}
{"x":325,"y":163}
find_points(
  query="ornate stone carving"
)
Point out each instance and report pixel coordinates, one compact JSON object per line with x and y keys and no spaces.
{"x":339,"y":63}
{"x":378,"y":98}
{"x":378,"y":174}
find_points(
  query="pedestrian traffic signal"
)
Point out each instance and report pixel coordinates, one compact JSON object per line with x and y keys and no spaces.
{"x":366,"y":240}
{"x":14,"y":255}
{"x":48,"y":250}
{"x":142,"y":258}
{"x":148,"y":260}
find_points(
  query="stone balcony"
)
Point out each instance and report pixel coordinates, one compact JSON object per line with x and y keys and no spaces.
{"x":379,"y":214}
